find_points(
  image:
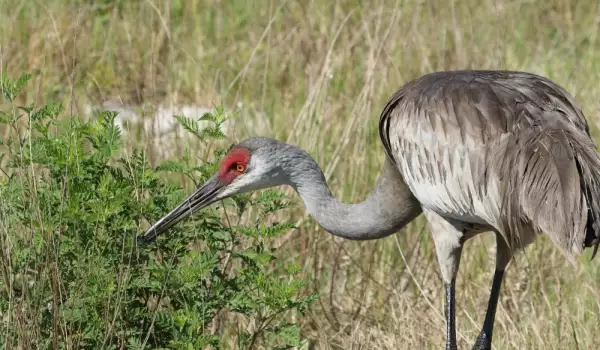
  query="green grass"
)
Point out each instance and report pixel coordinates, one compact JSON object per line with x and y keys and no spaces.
{"x":316,"y":74}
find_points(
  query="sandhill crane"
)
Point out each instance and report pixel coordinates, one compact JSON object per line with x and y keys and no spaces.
{"x":474,"y":151}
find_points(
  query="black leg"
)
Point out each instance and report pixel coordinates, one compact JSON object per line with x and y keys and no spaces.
{"x":450,"y":317}
{"x":484,"y":340}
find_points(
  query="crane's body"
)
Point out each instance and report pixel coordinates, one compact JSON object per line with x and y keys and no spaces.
{"x":474,"y":151}
{"x":503,"y":151}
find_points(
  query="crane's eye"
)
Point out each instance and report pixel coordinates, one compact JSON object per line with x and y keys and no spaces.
{"x":240,"y":167}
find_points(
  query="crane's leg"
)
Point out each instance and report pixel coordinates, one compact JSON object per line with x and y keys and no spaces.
{"x":503,"y":257}
{"x":447,"y":237}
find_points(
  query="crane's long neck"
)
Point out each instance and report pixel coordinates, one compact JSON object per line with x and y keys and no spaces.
{"x":390,"y":206}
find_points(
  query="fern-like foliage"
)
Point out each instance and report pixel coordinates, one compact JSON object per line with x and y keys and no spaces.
{"x":71,"y":273}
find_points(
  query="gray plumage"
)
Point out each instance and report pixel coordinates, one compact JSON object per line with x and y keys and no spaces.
{"x":507,"y":150}
{"x":475,"y":151}
{"x":389,"y":207}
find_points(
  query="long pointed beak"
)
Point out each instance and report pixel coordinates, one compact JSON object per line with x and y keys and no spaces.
{"x":204,"y":196}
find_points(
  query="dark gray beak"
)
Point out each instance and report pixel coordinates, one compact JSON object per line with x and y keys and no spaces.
{"x":204,"y":196}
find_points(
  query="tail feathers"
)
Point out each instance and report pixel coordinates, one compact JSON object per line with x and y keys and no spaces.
{"x":554,"y":187}
{"x":591,"y":235}
{"x":588,"y":167}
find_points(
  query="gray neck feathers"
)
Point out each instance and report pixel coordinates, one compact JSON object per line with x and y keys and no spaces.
{"x":389,"y":208}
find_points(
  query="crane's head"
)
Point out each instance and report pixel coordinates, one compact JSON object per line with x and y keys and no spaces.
{"x":252,"y":164}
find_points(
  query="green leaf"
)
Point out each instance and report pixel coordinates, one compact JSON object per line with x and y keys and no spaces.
{"x":285,"y":335}
{"x":261,"y":258}
{"x":171,"y":165}
{"x":9,"y":88}
{"x":191,"y":126}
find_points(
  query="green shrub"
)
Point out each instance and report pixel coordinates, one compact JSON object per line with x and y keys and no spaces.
{"x":72,"y":275}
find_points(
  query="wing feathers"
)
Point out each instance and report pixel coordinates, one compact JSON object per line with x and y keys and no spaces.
{"x":511,"y":149}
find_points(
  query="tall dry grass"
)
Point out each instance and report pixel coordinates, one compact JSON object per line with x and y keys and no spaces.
{"x":316,"y":73}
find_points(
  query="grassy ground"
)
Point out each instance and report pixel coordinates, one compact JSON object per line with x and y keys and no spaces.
{"x":317,"y":73}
